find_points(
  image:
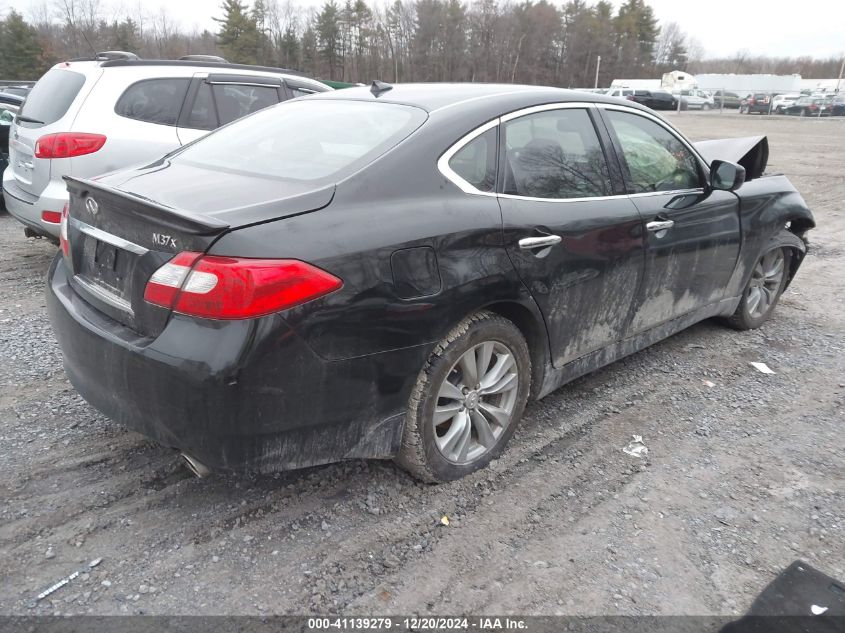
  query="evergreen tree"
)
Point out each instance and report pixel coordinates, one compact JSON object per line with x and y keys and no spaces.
{"x":238,"y":37}
{"x":329,"y":36}
{"x":21,"y":54}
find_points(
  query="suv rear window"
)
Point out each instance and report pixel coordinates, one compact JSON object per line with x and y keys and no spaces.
{"x":51,"y":97}
{"x":305,"y":140}
{"x":153,"y":100}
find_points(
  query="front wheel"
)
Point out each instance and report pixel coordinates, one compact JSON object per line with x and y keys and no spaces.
{"x":761,"y":294}
{"x":706,"y":106}
{"x":468,"y":399}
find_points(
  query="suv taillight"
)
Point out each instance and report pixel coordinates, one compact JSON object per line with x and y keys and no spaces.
{"x":63,"y":232}
{"x":68,"y":144}
{"x":216,"y":287}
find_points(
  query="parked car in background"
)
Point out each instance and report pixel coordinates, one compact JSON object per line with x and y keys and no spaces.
{"x":731,"y":99}
{"x":838,"y":105}
{"x":781,"y":102}
{"x":759,"y":102}
{"x":270,"y":297}
{"x":93,"y":116}
{"x":811,"y":106}
{"x":10,"y":105}
{"x":620,"y":93}
{"x":655,"y":99}
{"x":695,"y":99}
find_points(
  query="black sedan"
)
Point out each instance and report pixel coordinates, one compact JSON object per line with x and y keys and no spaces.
{"x":810,"y":106}
{"x":393,"y":272}
{"x":654,"y":99}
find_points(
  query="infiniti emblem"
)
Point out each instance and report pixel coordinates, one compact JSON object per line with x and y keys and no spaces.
{"x":92,"y":206}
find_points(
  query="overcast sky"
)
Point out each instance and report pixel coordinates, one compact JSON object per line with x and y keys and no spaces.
{"x":723,"y":27}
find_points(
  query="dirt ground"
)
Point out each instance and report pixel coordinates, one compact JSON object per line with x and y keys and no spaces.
{"x":742,"y":477}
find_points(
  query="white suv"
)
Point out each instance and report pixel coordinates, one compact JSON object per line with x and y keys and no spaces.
{"x":85,"y":118}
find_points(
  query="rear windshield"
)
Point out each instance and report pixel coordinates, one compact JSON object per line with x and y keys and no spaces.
{"x":51,"y":97}
{"x":306,"y":140}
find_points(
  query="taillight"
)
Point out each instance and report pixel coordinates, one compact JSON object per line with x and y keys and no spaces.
{"x":63,"y":232}
{"x":68,"y":144}
{"x":53,"y":217}
{"x":235,"y":288}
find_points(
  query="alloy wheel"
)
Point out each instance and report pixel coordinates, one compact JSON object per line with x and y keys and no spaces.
{"x":765,"y":283}
{"x":475,"y":402}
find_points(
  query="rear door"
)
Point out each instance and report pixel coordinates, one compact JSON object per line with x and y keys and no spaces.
{"x":692,"y":233}
{"x":50,"y":107}
{"x":218,"y":99}
{"x":575,"y":242}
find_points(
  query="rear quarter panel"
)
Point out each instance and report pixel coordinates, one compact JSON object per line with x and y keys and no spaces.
{"x":400,"y":201}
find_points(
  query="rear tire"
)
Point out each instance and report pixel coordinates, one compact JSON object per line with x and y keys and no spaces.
{"x":468,"y":399}
{"x":763,"y":290}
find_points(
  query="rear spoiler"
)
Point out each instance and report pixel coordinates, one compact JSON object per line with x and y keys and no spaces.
{"x":139,"y":206}
{"x":752,"y":152}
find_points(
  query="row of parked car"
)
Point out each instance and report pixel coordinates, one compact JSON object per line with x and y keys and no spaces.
{"x":93,"y":116}
{"x":757,"y":102}
{"x":793,"y":103}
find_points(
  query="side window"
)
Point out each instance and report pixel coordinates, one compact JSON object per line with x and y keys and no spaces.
{"x":203,"y":115}
{"x":236,"y":100}
{"x":656,"y":159}
{"x":475,"y":162}
{"x":554,"y":154}
{"x":153,"y":100}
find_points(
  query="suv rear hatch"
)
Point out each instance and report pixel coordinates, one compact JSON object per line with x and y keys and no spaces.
{"x":116,"y":240}
{"x":49,"y":108}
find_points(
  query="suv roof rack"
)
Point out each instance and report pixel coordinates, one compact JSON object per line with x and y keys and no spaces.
{"x":102,"y":56}
{"x":203,"y":58}
{"x":113,"y":63}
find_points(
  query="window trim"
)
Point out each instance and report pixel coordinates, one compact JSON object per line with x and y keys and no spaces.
{"x":185,"y":95}
{"x":450,"y":174}
{"x":466,"y":187}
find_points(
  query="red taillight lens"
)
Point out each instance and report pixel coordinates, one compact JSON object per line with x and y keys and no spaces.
{"x":68,"y":144}
{"x":63,"y":232}
{"x":235,"y":288}
{"x":53,"y":217}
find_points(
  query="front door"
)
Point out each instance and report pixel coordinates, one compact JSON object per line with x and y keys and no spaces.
{"x":576,"y":246}
{"x":692,"y":232}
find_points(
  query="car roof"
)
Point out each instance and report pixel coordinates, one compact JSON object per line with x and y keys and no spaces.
{"x":438,"y":96}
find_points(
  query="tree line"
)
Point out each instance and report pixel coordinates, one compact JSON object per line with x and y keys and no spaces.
{"x":530,"y":41}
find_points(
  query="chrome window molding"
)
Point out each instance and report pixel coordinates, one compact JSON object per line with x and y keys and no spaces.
{"x":108,"y":238}
{"x":466,"y":187}
{"x":450,"y":174}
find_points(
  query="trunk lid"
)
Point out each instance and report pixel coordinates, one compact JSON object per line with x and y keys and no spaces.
{"x":119,"y":238}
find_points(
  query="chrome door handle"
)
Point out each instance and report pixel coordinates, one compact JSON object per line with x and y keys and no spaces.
{"x":530,"y":243}
{"x":660,"y":225}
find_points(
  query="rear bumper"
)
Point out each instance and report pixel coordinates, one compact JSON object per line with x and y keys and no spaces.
{"x":27,"y":209}
{"x":236,"y":395}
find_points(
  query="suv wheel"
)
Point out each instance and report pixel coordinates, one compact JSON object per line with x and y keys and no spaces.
{"x":468,"y":399}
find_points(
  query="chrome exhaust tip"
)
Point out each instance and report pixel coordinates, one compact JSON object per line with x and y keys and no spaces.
{"x":195,"y":466}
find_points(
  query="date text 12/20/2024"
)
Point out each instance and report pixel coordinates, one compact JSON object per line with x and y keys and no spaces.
{"x":417,"y":624}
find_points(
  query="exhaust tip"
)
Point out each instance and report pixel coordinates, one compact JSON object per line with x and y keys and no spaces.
{"x":195,"y":466}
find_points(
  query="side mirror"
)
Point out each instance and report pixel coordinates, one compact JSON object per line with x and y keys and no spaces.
{"x":726,"y":176}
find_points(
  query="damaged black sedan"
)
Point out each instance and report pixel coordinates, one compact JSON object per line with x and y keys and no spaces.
{"x":392,"y":272}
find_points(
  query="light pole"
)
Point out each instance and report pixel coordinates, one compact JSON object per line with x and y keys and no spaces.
{"x":598,"y":65}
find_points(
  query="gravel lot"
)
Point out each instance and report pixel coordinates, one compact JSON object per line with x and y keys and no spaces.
{"x":742,"y":477}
